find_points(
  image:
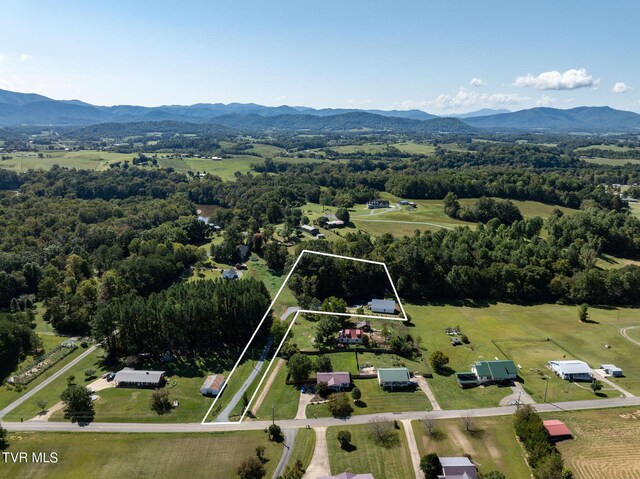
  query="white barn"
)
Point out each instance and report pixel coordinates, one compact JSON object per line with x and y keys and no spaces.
{"x":571,"y":370}
{"x":611,"y":370}
{"x":212,"y":385}
{"x":386,"y":306}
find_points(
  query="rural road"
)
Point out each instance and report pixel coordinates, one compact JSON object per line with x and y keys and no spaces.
{"x":226,"y":412}
{"x":289,"y":441}
{"x":623,"y":331}
{"x":290,"y":310}
{"x":315,"y":423}
{"x":28,"y":395}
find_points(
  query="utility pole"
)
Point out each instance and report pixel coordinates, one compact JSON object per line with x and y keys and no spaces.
{"x":546,"y":386}
{"x":273,"y":414}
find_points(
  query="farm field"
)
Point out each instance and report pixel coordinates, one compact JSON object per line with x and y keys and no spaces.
{"x":82,"y":160}
{"x":492,"y":445}
{"x":606,"y":443}
{"x":612,"y":161}
{"x":522,"y":329}
{"x":103,"y":456}
{"x":369,"y":457}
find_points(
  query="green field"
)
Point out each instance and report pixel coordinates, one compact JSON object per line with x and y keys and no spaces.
{"x":523,"y":329}
{"x":492,"y":445}
{"x":82,"y":455}
{"x":612,"y":161}
{"x":368,"y":456}
{"x":281,"y":400}
{"x":82,"y":160}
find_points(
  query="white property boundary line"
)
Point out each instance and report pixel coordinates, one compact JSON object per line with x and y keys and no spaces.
{"x":395,"y":292}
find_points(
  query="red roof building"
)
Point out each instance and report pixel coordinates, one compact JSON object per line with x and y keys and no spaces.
{"x":557,"y":430}
{"x":350,"y":336}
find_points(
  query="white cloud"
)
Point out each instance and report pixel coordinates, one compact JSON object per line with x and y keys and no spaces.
{"x":554,"y":80}
{"x":353,"y":103}
{"x":545,"y":100}
{"x":621,"y":87}
{"x":25,"y":58}
{"x":477,"y":82}
{"x":1,"y":58}
{"x":464,"y":99}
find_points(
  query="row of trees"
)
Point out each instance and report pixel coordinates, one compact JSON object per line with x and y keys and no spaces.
{"x":213,"y":316}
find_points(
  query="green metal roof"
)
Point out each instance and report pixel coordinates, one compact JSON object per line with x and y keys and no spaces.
{"x":497,"y":370}
{"x":393,"y":375}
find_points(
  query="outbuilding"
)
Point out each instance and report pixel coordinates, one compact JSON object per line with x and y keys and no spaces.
{"x":457,"y":468}
{"x":335,"y":224}
{"x":212,"y":385}
{"x":611,"y":370}
{"x":312,"y":230}
{"x":557,"y":430}
{"x":385,"y":306}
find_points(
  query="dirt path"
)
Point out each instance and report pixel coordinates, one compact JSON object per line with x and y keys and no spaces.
{"x":319,"y":465}
{"x":424,"y":386}
{"x":413,"y":448}
{"x":460,"y":439}
{"x":48,"y":413}
{"x":623,"y":331}
{"x":265,"y":390}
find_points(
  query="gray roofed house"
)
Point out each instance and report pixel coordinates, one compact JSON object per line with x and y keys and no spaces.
{"x":134,"y":378}
{"x":230,"y":273}
{"x":572,"y":370}
{"x":457,"y":468}
{"x":337,"y":380}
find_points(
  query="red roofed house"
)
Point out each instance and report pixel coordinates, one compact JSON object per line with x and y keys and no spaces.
{"x":350,"y":336}
{"x":557,"y":430}
{"x":337,"y":381}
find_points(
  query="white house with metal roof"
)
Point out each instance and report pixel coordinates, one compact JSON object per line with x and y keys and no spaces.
{"x":572,"y":370}
{"x":385,"y":306}
{"x":131,"y":378}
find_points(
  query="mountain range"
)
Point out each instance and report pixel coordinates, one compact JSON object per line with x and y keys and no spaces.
{"x":33,"y":109}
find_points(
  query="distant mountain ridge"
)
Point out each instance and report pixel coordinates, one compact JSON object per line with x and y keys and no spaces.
{"x":33,"y":109}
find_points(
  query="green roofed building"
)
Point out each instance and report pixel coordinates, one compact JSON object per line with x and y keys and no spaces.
{"x":391,"y":378}
{"x":494,"y":371}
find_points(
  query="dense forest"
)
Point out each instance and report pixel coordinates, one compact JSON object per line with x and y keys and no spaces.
{"x":82,"y":242}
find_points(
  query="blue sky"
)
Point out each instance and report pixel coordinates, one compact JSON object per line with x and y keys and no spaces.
{"x":368,"y":54}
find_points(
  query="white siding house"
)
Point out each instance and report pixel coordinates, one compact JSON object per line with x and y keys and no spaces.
{"x":385,"y":306}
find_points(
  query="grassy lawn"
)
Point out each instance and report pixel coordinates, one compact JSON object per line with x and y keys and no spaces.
{"x":612,"y":161}
{"x":139,"y":455}
{"x":51,"y":394}
{"x":303,"y":447}
{"x":606,"y":443}
{"x":492,"y":445}
{"x":368,"y":456}
{"x":82,"y":160}
{"x":281,"y":400}
{"x":523,"y":330}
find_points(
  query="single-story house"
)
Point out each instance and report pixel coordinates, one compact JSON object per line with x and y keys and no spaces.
{"x":494,"y":371}
{"x":364,"y":325}
{"x":557,"y":430}
{"x":403,"y":202}
{"x":337,"y":380}
{"x":350,"y":336}
{"x":335,"y":224}
{"x":373,"y":204}
{"x":131,"y":378}
{"x":230,"y":273}
{"x":457,"y":468}
{"x":349,"y":475}
{"x":390,"y":378}
{"x":212,"y":385}
{"x":312,"y":230}
{"x":386,"y":306}
{"x":572,"y":370}
{"x":611,"y":370}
